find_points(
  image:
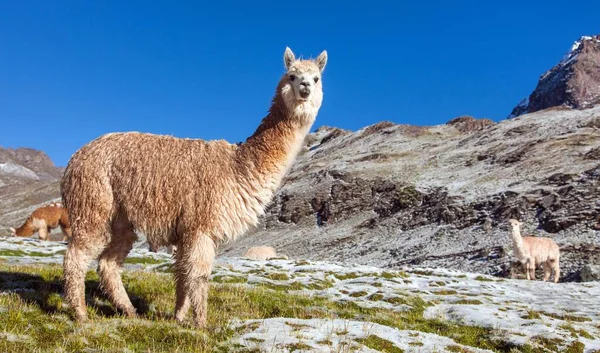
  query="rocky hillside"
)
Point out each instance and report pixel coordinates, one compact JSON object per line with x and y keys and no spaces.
{"x":390,"y":195}
{"x":28,"y":178}
{"x":573,"y":83}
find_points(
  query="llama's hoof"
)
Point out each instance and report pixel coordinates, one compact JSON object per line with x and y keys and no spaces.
{"x":81,"y":318}
{"x":200,"y":324}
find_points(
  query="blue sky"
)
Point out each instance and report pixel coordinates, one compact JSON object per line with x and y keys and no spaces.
{"x":71,"y":71}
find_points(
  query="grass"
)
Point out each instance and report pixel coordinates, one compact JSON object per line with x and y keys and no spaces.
{"x":379,"y":344}
{"x":143,"y":260}
{"x":484,"y":279}
{"x":575,"y":333}
{"x":469,"y":302}
{"x":532,"y":315}
{"x":19,"y":253}
{"x":37,"y":317}
{"x":567,"y":317}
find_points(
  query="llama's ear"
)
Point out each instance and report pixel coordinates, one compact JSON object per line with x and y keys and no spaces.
{"x":322,"y":60}
{"x":288,"y":58}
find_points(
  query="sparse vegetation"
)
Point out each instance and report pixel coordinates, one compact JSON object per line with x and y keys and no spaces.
{"x":484,"y":279}
{"x":531,"y":315}
{"x":143,"y":260}
{"x":19,"y":253}
{"x":469,"y":302}
{"x":379,"y":344}
{"x":39,"y":318}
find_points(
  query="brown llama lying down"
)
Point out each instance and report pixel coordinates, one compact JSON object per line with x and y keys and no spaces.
{"x":191,"y":193}
{"x":535,"y":251}
{"x":43,"y":220}
{"x":263,"y":253}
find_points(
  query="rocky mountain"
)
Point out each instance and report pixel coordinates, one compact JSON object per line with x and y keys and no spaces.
{"x":28,"y":179}
{"x":573,"y":83}
{"x":440,"y":196}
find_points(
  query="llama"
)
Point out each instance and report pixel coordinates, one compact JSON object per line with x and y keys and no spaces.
{"x":535,"y":251}
{"x":263,"y":253}
{"x":43,"y":220}
{"x":191,"y":193}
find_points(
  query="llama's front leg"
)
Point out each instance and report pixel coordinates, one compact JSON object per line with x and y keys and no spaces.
{"x":43,"y":233}
{"x":194,"y":265}
{"x":527,"y":270}
{"x":532,"y":270}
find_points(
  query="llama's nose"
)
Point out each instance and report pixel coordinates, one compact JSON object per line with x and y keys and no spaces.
{"x":304,"y":89}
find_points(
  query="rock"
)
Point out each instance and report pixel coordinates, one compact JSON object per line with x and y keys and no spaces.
{"x":573,"y":83}
{"x":467,"y":124}
{"x":590,"y":273}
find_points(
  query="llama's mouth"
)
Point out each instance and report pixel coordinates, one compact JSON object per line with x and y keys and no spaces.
{"x":304,"y":93}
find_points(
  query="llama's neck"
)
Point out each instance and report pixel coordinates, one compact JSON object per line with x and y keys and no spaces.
{"x":268,"y":154}
{"x":26,"y":230}
{"x":517,"y":241}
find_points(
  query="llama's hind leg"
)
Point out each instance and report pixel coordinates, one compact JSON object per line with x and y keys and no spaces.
{"x":193,"y":266}
{"x":78,"y":256}
{"x":111,"y":262}
{"x":556,"y":268}
{"x":547,"y":270}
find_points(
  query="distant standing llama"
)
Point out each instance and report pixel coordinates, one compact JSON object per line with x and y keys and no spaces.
{"x":191,"y":193}
{"x":535,"y":251}
{"x":43,"y":220}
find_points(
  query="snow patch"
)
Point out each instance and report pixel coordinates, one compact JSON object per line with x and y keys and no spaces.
{"x":18,"y":170}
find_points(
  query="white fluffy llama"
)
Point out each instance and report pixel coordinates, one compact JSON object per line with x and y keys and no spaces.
{"x":535,"y":251}
{"x":191,"y":193}
{"x":263,"y":253}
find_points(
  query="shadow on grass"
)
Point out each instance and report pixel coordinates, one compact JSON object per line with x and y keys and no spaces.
{"x":35,"y":289}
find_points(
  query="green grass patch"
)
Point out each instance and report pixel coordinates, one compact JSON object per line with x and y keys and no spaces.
{"x":292,"y":347}
{"x":576,"y":347}
{"x":531,"y":315}
{"x":345,"y":276}
{"x":469,"y":302}
{"x":229,"y":279}
{"x":375,"y":297}
{"x":575,"y":333}
{"x":278,"y":276}
{"x":143,"y":260}
{"x":379,"y":344}
{"x":567,"y":317}
{"x":437,"y":284}
{"x":484,"y":279}
{"x":19,"y":253}
{"x":445,"y":292}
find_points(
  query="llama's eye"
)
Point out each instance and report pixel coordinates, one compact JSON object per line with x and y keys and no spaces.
{"x":316,"y":79}
{"x":292,"y":77}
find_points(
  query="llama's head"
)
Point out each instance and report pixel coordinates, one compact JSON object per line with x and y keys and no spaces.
{"x":514,"y":223}
{"x":301,"y":86}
